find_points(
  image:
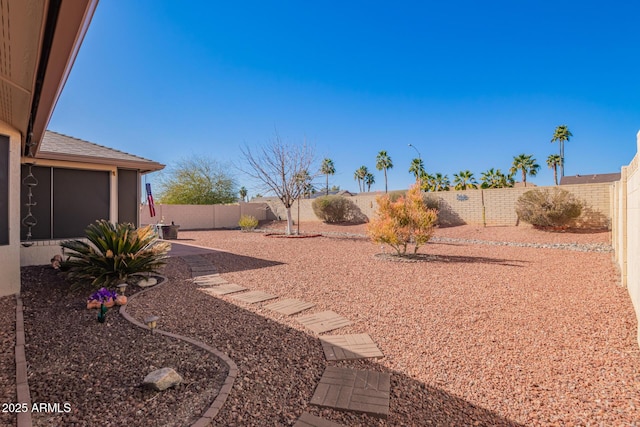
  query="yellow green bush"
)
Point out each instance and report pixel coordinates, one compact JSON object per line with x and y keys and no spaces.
{"x":248,"y":222}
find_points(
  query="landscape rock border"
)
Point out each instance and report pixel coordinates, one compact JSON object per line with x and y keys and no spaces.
{"x":221,"y":398}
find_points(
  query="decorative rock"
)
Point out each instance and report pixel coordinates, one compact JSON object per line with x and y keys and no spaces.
{"x":144,"y":283}
{"x":162,"y":379}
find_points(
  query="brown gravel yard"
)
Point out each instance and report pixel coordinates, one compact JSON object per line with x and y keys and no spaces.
{"x":480,"y":333}
{"x":474,"y":334}
{"x":7,"y":357}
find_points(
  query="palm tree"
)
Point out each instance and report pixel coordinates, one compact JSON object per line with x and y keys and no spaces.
{"x":243,"y":193}
{"x":441,"y":182}
{"x":369,"y":179}
{"x":526,"y":164}
{"x":359,"y":175}
{"x":383,"y":162}
{"x":561,"y":134}
{"x":494,"y":179}
{"x":553,"y":161}
{"x":464,"y":180}
{"x":417,"y":168}
{"x":327,"y":168}
{"x":303,"y":179}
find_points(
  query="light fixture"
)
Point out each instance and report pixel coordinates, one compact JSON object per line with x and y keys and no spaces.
{"x":152,"y":322}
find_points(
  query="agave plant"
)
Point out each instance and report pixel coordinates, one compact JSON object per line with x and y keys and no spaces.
{"x":113,"y":253}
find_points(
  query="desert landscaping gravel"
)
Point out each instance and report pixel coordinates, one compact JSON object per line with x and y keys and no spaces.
{"x":472,"y":333}
{"x":7,"y":357}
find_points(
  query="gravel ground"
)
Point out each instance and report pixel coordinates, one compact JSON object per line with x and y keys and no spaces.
{"x":472,"y":334}
{"x":98,"y":368}
{"x":7,"y":357}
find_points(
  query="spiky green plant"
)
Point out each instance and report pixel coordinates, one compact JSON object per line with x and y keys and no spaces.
{"x":114,"y":252}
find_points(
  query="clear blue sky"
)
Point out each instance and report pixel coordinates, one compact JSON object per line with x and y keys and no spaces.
{"x":470,"y":84}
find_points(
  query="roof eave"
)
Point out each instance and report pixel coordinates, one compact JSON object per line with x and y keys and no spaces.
{"x":142,"y":165}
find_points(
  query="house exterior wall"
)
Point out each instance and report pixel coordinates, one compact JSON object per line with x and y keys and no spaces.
{"x":10,"y":254}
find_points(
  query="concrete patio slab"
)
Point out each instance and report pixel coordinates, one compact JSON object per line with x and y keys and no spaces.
{"x":254,"y":297}
{"x":289,"y":306}
{"x":308,"y":420}
{"x":324,"y":321}
{"x":228,"y":288}
{"x":354,"y":390}
{"x":355,"y":346}
{"x":204,"y":267}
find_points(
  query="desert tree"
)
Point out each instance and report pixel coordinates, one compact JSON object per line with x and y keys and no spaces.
{"x":553,"y":161}
{"x":197,"y":180}
{"x":278,"y":167}
{"x":383,"y":163}
{"x":561,"y":135}
{"x":526,"y":164}
{"x":327,"y":168}
{"x":464,"y":180}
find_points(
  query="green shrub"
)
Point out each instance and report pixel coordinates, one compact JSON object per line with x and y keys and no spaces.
{"x":544,"y":208}
{"x":114,"y":252}
{"x":248,"y":222}
{"x":331,"y":209}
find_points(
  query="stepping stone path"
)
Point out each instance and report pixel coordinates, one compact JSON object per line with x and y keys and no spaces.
{"x":229,"y":288}
{"x":289,"y":306}
{"x":343,"y":347}
{"x":339,"y":388}
{"x":324,"y":321}
{"x":308,"y":420}
{"x":354,"y":390}
{"x":254,"y":297}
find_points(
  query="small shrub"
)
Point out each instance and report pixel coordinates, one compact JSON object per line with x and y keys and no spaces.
{"x":331,"y":209}
{"x":403,"y":222}
{"x":248,"y":222}
{"x":114,"y":252}
{"x":544,"y":208}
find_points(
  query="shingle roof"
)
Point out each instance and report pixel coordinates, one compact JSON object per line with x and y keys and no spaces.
{"x":56,"y":146}
{"x":590,"y":179}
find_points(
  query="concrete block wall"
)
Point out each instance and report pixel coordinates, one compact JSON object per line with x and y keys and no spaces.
{"x":466,"y":207}
{"x":194,"y":217}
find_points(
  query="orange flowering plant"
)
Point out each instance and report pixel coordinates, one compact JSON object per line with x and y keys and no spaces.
{"x":405,"y":222}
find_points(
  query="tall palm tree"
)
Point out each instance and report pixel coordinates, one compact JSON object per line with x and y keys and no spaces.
{"x":553,"y":161}
{"x":383,"y":162}
{"x":561,"y":134}
{"x":464,"y":180}
{"x":494,"y":179}
{"x":417,"y":168}
{"x":327,"y":168}
{"x":441,"y":182}
{"x":243,"y":193}
{"x":359,"y":175}
{"x":369,"y":179}
{"x":526,"y":164}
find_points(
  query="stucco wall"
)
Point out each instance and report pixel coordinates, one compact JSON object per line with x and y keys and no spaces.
{"x":10,"y":254}
{"x":465,"y":207}
{"x":194,"y":217}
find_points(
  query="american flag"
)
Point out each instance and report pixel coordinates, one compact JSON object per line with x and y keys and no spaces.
{"x":152,"y":208}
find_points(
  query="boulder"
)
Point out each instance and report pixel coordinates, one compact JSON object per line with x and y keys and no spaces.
{"x":162,"y":379}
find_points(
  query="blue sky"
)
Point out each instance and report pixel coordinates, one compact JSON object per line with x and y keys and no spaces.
{"x":470,"y":84}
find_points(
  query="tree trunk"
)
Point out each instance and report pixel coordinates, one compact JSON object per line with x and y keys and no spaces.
{"x":555,"y":174}
{"x":524,"y":177}
{"x":561,"y":159}
{"x":385,"y":180}
{"x":327,"y":184}
{"x":289,"y":220}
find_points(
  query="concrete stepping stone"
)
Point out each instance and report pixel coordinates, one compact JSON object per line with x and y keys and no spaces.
{"x":254,"y":297}
{"x":204,"y":273}
{"x":202,"y":268}
{"x":355,"y":346}
{"x":324,"y":321}
{"x":209,"y":280}
{"x":228,"y":288}
{"x":308,"y":420}
{"x":289,"y":306}
{"x":354,"y":390}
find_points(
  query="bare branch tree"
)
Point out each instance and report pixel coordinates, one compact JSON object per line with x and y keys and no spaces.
{"x":278,"y":166}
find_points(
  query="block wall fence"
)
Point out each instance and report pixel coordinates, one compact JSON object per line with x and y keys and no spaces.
{"x":626,"y":229}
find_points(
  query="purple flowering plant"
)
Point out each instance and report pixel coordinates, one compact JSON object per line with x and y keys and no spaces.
{"x":103,"y":295}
